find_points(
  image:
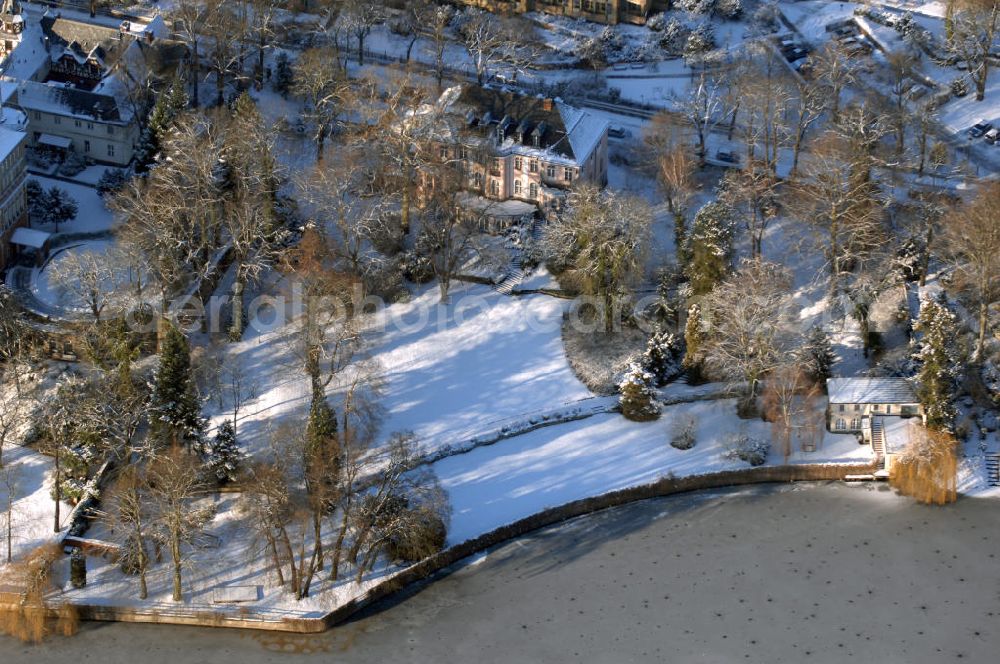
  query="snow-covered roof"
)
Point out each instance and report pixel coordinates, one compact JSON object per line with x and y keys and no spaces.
{"x":9,"y":140}
{"x":55,"y":141}
{"x":870,"y":390}
{"x":585,"y":131}
{"x":29,"y":237}
{"x":68,"y":101}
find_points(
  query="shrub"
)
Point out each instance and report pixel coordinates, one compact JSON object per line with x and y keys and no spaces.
{"x":112,"y":181}
{"x":424,"y":539}
{"x":637,"y":398}
{"x":78,"y":568}
{"x":682,"y":434}
{"x":960,"y":86}
{"x":744,"y":447}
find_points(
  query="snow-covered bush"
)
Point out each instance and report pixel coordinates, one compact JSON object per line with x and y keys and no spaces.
{"x":637,"y":401}
{"x":991,"y":378}
{"x":703,"y":7}
{"x":416,"y":267}
{"x":729,"y":9}
{"x":662,"y":359}
{"x":960,"y":86}
{"x":73,"y":164}
{"x":657,"y":22}
{"x":940,"y":362}
{"x":701,"y":40}
{"x":744,"y":447}
{"x":682,"y":432}
{"x":611,"y":39}
{"x":112,"y":180}
{"x":674,"y":35}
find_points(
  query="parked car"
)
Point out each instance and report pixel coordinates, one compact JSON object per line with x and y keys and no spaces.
{"x":980,"y":128}
{"x":993,"y":135}
{"x":617,"y":131}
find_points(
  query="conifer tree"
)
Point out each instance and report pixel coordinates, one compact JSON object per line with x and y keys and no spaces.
{"x":168,"y":106}
{"x":940,"y":362}
{"x":321,"y":430}
{"x":817,"y":354}
{"x":225,"y":457}
{"x":710,"y":247}
{"x":637,"y":400}
{"x":174,"y":408}
{"x":661,"y":358}
{"x":694,"y":339}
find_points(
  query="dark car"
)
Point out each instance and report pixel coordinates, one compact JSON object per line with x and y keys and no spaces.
{"x":727,"y":157}
{"x":980,"y":128}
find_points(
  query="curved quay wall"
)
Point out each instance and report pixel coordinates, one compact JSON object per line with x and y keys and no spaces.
{"x":245,"y":618}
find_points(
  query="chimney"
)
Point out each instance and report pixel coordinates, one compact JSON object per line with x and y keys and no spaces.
{"x":547,"y":104}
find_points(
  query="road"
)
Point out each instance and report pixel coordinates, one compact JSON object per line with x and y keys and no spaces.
{"x":791,"y":573}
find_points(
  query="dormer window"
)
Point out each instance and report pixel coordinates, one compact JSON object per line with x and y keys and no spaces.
{"x":536,"y":140}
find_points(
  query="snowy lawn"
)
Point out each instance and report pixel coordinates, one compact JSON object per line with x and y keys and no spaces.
{"x":91,"y":217}
{"x":33,"y":508}
{"x":493,"y":486}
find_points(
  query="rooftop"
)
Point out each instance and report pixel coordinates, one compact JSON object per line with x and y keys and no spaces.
{"x":68,"y":101}
{"x":870,"y":390}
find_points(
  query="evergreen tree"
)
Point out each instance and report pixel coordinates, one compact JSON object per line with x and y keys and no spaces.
{"x":694,"y":339}
{"x":168,"y":106}
{"x":174,"y":408}
{"x":637,"y":400}
{"x":282,"y":74}
{"x":940,"y":362}
{"x":662,"y":357}
{"x":321,"y":430}
{"x":816,"y":355}
{"x":225,"y":457}
{"x":710,"y":247}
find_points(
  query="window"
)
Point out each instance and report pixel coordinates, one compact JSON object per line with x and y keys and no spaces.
{"x":533,"y":191}
{"x":38,"y":116}
{"x":533,"y":165}
{"x":550,"y":171}
{"x":86,"y":146}
{"x":56,"y":119}
{"x":443,"y":152}
{"x":841,"y":408}
{"x":840,"y":425}
{"x":111,"y":150}
{"x":495,"y":187}
{"x":90,"y":125}
{"x":875,"y":408}
{"x":568,"y":174}
{"x":111,"y":130}
{"x":77,"y":124}
{"x":517,"y":187}
{"x":888,"y":409}
{"x":857,"y":408}
{"x":856,"y":423}
{"x":517,"y":163}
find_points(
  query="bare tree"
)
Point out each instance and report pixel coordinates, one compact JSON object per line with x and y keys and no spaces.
{"x":604,"y":237}
{"x":789,"y":400}
{"x":434,"y":20}
{"x":324,"y":86}
{"x":191,"y":18}
{"x":12,"y":414}
{"x":808,"y":108}
{"x":702,"y":107}
{"x":835,"y":69}
{"x":748,"y":336}
{"x":265,"y":504}
{"x":752,"y":191}
{"x":225,"y":30}
{"x":974,"y":38}
{"x":261,"y":31}
{"x":10,"y":484}
{"x":359,"y":18}
{"x":16,"y":337}
{"x":765,"y":96}
{"x":492,"y":40}
{"x":128,"y":514}
{"x":971,"y":238}
{"x":175,"y":482}
{"x":674,"y":167}
{"x":92,"y":277}
{"x":842,"y":207}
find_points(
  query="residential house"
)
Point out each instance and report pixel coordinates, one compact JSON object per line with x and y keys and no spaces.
{"x":11,"y":26}
{"x":601,"y":11}
{"x":76,"y":83}
{"x":522,"y":148}
{"x":853,"y":400}
{"x":13,"y":199}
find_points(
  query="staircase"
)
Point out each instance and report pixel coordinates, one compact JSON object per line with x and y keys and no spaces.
{"x":516,"y":273}
{"x":993,"y":469}
{"x":878,"y":445}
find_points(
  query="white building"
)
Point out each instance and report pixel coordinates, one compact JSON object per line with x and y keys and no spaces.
{"x":853,"y":400}
{"x":13,"y":199}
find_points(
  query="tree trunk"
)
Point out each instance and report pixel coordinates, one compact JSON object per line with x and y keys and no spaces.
{"x":318,"y":537}
{"x":236,"y":329}
{"x":361,"y":50}
{"x":57,"y":492}
{"x":194,"y":75}
{"x":175,"y":554}
{"x":984,"y":310}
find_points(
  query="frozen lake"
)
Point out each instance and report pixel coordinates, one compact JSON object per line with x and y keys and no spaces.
{"x":790,"y":573}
